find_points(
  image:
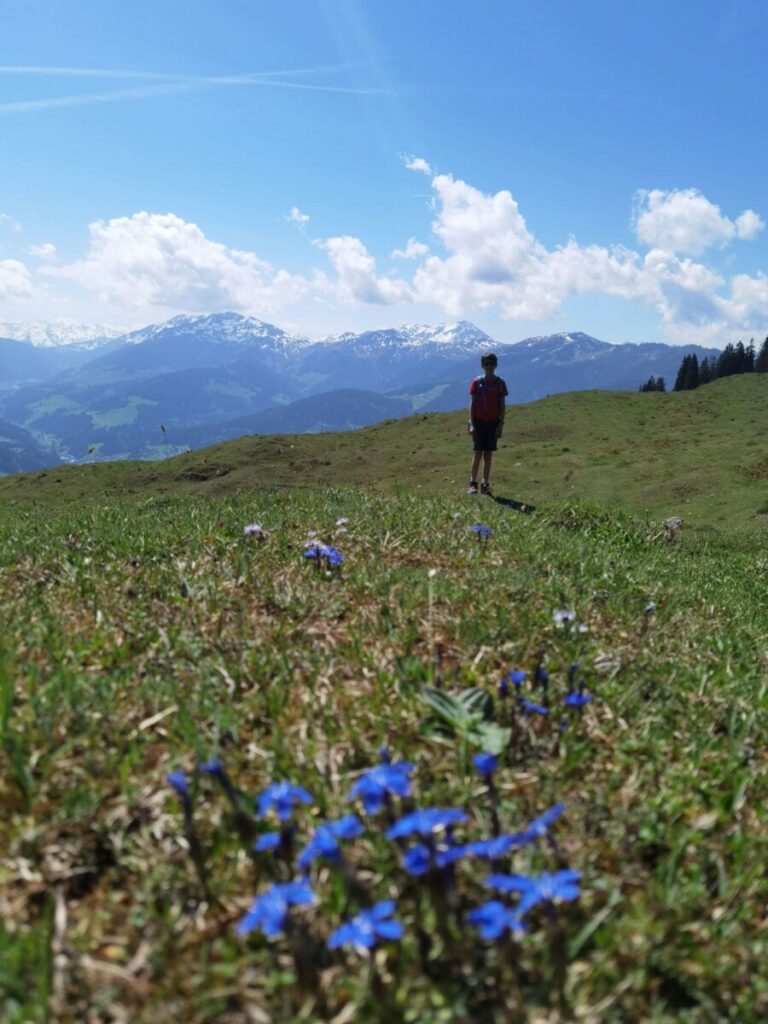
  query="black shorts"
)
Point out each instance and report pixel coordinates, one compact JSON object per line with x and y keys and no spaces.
{"x":484,"y":436}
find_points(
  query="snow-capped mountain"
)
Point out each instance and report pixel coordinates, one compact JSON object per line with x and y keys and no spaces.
{"x":231,"y":328}
{"x":462,"y":337}
{"x":563,"y":348}
{"x":58,"y":333}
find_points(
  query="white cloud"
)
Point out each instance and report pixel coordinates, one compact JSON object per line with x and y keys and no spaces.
{"x":295,"y":216}
{"x":15,"y":282}
{"x":160,"y":260}
{"x":9,"y":223}
{"x":412,"y":251}
{"x":684,"y":220}
{"x":356,"y":269}
{"x":417,"y":163}
{"x":749,"y":224}
{"x":45,"y":252}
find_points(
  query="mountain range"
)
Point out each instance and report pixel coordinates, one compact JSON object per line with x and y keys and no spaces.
{"x":73,"y":393}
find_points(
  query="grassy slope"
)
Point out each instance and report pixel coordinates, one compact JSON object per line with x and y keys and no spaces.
{"x":139,"y":637}
{"x":698,"y":454}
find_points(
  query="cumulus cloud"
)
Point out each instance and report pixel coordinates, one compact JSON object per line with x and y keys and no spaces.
{"x":45,"y":252}
{"x":684,"y":220}
{"x":417,"y":163}
{"x":15,"y":282}
{"x":412,"y":251}
{"x":357,"y":280}
{"x":295,"y":216}
{"x":160,"y":260}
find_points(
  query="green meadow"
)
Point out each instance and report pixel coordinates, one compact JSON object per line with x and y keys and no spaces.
{"x":145,"y":633}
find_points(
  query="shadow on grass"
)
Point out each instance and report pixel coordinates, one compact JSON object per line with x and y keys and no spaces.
{"x":518,"y":506}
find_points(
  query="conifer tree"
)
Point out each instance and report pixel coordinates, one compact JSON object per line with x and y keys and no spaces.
{"x":661,"y":384}
{"x":692,"y":373}
{"x":761,"y":363}
{"x":706,"y":370}
{"x":727,"y":362}
{"x":681,"y":374}
{"x":749,"y":357}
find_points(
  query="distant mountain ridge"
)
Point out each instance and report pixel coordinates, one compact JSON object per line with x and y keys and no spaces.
{"x":195,"y":379}
{"x":58,"y":333}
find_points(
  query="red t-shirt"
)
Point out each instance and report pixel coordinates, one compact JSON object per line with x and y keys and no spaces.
{"x":486,"y":398}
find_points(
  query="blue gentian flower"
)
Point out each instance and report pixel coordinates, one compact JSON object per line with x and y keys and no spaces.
{"x":577,"y":700}
{"x":281,"y":797}
{"x":426,"y":821}
{"x":539,"y":827}
{"x":480,"y":530}
{"x":530,"y":707}
{"x":492,"y":919}
{"x":178,"y":782}
{"x":325,"y":841}
{"x":365,"y":930}
{"x":486,"y":764}
{"x":373,"y":786}
{"x":499,"y":846}
{"x":516,"y":677}
{"x":417,"y":860}
{"x":332,"y":556}
{"x":213,"y":767}
{"x":312,"y":551}
{"x":561,"y":616}
{"x":549,"y":887}
{"x":269,"y":910}
{"x":650,"y":607}
{"x":268,"y":841}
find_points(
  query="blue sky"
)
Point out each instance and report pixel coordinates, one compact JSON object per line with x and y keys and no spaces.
{"x":334,"y":165}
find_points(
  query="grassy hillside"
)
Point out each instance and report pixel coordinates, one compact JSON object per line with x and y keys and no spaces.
{"x":699,"y":454}
{"x":150,"y":635}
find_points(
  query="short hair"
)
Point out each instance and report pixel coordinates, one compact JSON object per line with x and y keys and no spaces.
{"x":488,"y":357}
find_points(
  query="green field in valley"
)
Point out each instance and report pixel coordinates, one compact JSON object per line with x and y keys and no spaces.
{"x":144,"y":633}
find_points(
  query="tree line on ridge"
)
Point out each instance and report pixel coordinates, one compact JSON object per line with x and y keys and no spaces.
{"x":739,"y":358}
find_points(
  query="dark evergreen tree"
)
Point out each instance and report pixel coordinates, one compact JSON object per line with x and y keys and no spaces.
{"x":749,"y":357}
{"x":741,"y":358}
{"x":727,"y":362}
{"x":661,"y":384}
{"x":681,"y":374}
{"x":650,"y":384}
{"x":692,"y":373}
{"x":761,"y":363}
{"x":706,"y":371}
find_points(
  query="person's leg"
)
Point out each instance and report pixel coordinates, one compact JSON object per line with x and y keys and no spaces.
{"x":487,"y":457}
{"x":475,"y":467}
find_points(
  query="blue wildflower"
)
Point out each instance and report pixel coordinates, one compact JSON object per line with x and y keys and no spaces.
{"x":480,"y":530}
{"x":281,"y":797}
{"x":486,"y":764}
{"x":492,"y":919}
{"x":325,"y":841}
{"x":549,"y":887}
{"x":577,"y":700}
{"x":365,"y":930}
{"x":268,"y":841}
{"x":373,"y":786}
{"x":539,"y":827}
{"x":562,"y":616}
{"x":268,"y":911}
{"x":417,"y":860}
{"x":213,"y":767}
{"x":178,"y":782}
{"x":530,"y":707}
{"x":426,"y":821}
{"x":332,"y":556}
{"x":499,"y":846}
{"x":312,"y":551}
{"x":650,"y":607}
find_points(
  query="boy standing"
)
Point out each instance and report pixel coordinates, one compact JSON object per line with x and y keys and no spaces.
{"x":486,"y":419}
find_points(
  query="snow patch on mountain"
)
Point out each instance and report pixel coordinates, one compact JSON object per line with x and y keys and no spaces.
{"x":232,"y":328}
{"x":57,"y":333}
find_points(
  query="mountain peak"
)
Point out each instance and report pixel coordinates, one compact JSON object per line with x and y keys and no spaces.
{"x":58,"y":333}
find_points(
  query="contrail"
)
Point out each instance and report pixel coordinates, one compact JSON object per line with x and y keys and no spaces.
{"x":166,"y":84}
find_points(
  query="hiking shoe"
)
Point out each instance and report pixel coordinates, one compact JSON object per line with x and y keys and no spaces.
{"x":485,"y":487}
{"x":472,"y":489}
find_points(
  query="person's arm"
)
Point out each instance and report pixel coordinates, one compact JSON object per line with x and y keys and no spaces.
{"x":470,"y":424}
{"x":502,"y":413}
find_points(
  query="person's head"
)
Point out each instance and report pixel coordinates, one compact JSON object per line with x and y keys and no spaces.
{"x":488,"y":361}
